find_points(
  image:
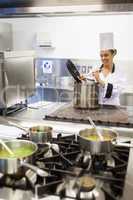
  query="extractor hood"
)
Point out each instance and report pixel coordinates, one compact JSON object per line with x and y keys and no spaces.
{"x":38,"y":8}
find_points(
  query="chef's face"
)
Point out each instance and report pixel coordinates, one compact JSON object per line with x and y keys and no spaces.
{"x":106,"y":57}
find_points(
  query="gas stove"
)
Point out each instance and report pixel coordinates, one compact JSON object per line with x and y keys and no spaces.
{"x":70,"y":173}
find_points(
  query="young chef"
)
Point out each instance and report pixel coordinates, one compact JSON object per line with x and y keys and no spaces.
{"x":110,"y":79}
{"x":109,"y":76}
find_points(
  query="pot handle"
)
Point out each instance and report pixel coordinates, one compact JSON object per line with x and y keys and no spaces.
{"x":36,"y":169}
{"x":122,"y":144}
{"x":18,"y":126}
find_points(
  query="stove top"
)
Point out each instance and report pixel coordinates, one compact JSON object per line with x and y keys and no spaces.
{"x":70,"y":173}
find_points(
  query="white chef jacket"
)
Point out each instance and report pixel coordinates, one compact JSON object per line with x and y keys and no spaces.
{"x":114,"y":84}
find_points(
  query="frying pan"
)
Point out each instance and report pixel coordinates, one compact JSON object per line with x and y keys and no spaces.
{"x":73,"y":71}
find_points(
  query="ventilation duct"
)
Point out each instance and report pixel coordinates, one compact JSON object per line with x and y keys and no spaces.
{"x":38,"y":8}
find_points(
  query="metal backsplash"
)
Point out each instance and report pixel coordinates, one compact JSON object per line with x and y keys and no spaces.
{"x":54,"y":82}
{"x":59,"y":69}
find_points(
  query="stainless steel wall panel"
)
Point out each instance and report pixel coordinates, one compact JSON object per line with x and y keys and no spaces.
{"x":17,"y":78}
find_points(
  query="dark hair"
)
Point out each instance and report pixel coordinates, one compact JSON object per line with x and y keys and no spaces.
{"x":113,"y":51}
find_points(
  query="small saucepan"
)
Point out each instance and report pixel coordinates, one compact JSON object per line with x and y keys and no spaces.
{"x":91,"y":142}
{"x":40,"y":134}
{"x":37,"y":134}
{"x":23,"y":151}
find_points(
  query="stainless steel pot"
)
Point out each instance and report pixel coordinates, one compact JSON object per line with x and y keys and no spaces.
{"x":12,"y":165}
{"x":40,"y":134}
{"x":86,"y":94}
{"x":100,"y":146}
{"x":37,"y":134}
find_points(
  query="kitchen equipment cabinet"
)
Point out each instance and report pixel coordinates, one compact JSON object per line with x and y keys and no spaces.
{"x":17,"y":77}
{"x":6,"y":41}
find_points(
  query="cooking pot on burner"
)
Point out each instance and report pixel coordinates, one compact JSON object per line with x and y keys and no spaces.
{"x":40,"y":134}
{"x":11,"y":165}
{"x":90,"y":141}
{"x":98,"y":146}
{"x":37,"y":134}
{"x":86,"y":94}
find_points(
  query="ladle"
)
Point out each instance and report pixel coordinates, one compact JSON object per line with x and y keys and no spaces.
{"x":6,"y":147}
{"x":97,"y":131}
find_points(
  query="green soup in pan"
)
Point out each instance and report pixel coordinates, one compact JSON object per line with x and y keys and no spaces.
{"x":18,"y":152}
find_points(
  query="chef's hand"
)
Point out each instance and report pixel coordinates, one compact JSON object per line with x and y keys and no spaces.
{"x":81,"y":77}
{"x":96,"y":75}
{"x":97,"y":78}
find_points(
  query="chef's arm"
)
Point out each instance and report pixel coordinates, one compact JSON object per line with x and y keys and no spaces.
{"x":108,"y":87}
{"x":101,"y":82}
{"x":97,"y":78}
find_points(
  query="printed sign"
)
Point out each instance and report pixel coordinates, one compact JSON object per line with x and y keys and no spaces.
{"x":47,"y":66}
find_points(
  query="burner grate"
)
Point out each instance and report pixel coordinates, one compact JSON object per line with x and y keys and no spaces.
{"x":66,"y":163}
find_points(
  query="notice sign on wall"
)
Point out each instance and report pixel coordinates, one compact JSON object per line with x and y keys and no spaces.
{"x":47,"y":66}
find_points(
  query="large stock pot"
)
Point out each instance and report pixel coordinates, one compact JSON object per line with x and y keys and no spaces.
{"x":86,"y":94}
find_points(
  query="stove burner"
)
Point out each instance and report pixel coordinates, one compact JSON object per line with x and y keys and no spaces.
{"x":72,"y":173}
{"x":78,"y":189}
{"x":99,"y":163}
{"x":84,"y":160}
{"x":86,"y":183}
{"x":96,"y":194}
{"x":15,"y":182}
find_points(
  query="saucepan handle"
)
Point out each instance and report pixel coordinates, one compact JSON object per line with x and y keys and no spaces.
{"x":36,"y":169}
{"x":122,"y":144}
{"x":116,"y":143}
{"x":18,"y":126}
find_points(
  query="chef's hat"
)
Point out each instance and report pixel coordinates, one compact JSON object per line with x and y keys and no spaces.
{"x":106,"y":41}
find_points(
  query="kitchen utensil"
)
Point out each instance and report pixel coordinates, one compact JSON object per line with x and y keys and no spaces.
{"x":73,"y":71}
{"x":11,"y":165}
{"x":97,"y":146}
{"x":116,"y":143}
{"x":97,"y":130}
{"x":36,"y":169}
{"x":37,"y":134}
{"x":18,"y":126}
{"x":6,"y":147}
{"x":100,"y":146}
{"x":86,"y":95}
{"x":40,"y":134}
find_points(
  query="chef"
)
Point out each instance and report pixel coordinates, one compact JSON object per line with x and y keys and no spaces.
{"x":110,"y":79}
